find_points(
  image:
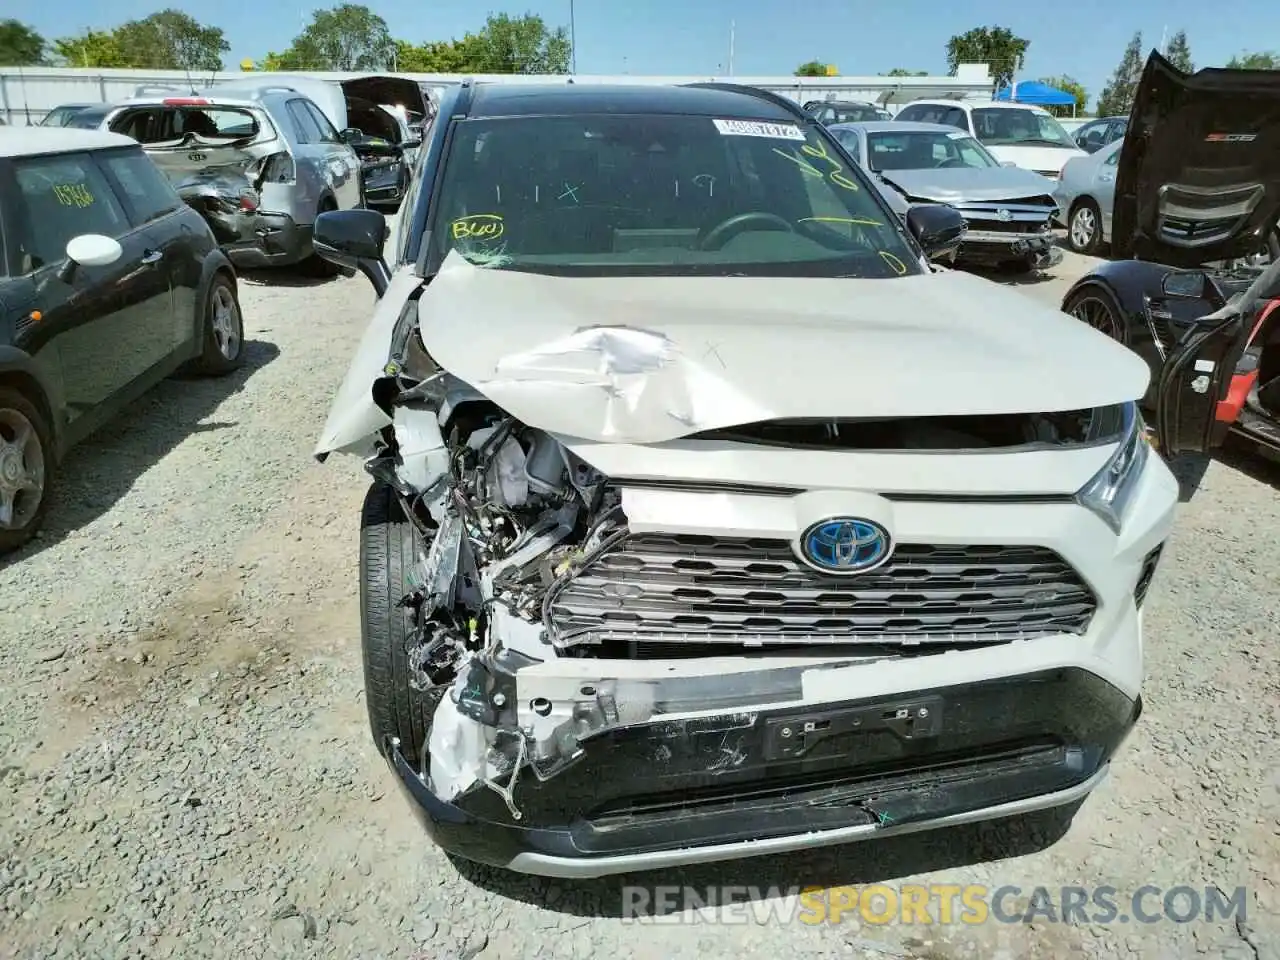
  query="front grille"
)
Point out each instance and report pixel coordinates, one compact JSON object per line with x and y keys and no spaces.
{"x":1023,"y":215}
{"x":661,"y":588}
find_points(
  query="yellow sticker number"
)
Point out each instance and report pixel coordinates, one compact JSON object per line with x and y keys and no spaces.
{"x":478,"y":226}
{"x":73,"y":195}
{"x":899,"y":267}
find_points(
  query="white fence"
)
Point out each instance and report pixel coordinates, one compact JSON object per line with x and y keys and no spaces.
{"x":27,"y":94}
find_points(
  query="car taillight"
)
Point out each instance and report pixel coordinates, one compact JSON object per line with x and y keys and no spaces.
{"x":277,"y":168}
{"x":248,"y":202}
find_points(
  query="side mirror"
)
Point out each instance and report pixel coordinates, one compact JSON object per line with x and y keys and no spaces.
{"x":938,"y":229}
{"x":89,"y":250}
{"x":351,"y":133}
{"x":1190,"y":284}
{"x":353,"y":239}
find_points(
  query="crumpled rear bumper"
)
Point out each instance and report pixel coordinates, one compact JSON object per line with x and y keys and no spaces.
{"x":743,"y":784}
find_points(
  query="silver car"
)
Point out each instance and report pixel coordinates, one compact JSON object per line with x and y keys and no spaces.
{"x":270,"y":135}
{"x":1008,"y":210}
{"x":1085,"y":196}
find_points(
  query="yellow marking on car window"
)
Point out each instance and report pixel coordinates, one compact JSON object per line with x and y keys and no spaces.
{"x":807,"y":168}
{"x":899,"y":267}
{"x":478,"y":226}
{"x":73,"y":195}
{"x":859,"y":221}
{"x":836,"y":172}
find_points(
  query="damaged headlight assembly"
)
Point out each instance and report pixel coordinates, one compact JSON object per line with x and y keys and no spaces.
{"x":1111,"y":490}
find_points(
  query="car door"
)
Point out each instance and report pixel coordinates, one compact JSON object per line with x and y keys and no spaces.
{"x":154,"y":205}
{"x":1104,"y":186}
{"x":1196,"y":377}
{"x":110,"y":323}
{"x":339,"y":157}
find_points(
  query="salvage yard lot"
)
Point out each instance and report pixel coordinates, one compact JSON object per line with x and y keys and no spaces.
{"x":184,"y":744}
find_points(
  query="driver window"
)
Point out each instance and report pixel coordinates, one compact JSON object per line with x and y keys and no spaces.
{"x":62,"y":197}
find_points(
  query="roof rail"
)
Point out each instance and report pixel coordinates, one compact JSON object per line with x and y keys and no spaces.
{"x":786,"y":103}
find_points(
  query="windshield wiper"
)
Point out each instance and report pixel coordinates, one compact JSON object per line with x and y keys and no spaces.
{"x":1052,"y":143}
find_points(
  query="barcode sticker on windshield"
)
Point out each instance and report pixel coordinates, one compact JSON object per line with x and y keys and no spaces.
{"x":755,"y":128}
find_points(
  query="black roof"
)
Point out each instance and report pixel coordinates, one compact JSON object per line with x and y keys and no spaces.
{"x":523,"y":100}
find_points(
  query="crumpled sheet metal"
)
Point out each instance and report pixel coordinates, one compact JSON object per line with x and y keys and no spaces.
{"x":610,"y":382}
{"x":647,"y":360}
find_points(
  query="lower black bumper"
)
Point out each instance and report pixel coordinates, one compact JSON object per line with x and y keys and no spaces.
{"x":1036,"y":250}
{"x":736,"y":785}
{"x":280,"y":242}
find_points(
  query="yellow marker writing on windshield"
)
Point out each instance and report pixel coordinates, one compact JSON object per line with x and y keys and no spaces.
{"x":478,"y":226}
{"x":899,"y":267}
{"x":859,"y":221}
{"x":73,"y":194}
{"x":836,"y":173}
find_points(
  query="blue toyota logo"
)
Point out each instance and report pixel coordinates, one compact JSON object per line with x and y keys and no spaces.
{"x":845,"y":545}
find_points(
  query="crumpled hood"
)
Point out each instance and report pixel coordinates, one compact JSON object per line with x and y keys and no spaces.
{"x":1199,"y":173}
{"x":950,"y":186}
{"x":650,"y":359}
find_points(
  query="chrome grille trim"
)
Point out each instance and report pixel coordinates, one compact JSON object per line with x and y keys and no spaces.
{"x":663,"y":587}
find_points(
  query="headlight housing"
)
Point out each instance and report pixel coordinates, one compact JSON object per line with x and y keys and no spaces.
{"x":1111,"y":489}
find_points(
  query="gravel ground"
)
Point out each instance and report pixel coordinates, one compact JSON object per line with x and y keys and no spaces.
{"x":188,"y":773}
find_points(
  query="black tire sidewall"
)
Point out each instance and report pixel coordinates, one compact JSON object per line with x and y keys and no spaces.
{"x":388,"y":551}
{"x":212,"y":362}
{"x":13,"y":399}
{"x":1093,"y":291}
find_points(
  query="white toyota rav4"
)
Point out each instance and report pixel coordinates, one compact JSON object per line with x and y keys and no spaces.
{"x":709,"y":518}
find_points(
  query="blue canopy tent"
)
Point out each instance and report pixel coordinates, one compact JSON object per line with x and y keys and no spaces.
{"x":1036,"y":93}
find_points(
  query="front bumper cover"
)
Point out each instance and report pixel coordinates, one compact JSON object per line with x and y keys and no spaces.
{"x":735,"y":785}
{"x":1038,"y":249}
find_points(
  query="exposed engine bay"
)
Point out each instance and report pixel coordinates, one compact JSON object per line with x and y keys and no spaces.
{"x":526,"y":558}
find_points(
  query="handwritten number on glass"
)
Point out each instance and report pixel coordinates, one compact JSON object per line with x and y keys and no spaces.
{"x":73,"y":195}
{"x":834,"y":173}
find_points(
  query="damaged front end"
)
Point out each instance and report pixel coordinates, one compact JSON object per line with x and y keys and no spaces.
{"x":605,"y":690}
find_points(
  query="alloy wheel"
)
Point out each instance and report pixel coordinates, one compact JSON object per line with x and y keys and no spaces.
{"x":1098,"y":314}
{"x":226,"y":329}
{"x":22,"y":470}
{"x":1083,"y":227}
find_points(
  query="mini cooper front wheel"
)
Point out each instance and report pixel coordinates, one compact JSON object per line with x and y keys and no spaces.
{"x":26,"y":468}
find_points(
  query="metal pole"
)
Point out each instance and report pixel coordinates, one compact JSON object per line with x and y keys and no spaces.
{"x":573,"y":42}
{"x":732,"y":25}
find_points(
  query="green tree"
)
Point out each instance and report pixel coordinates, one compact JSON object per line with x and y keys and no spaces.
{"x":814,"y":68}
{"x":1260,"y":60}
{"x":1116,"y":98}
{"x":20,"y":46}
{"x":997,"y":47}
{"x":346,"y":37}
{"x":1067,"y":85}
{"x":519,"y":45}
{"x":899,"y":72}
{"x":171,"y":40}
{"x":1178,"y":52}
{"x":93,"y":48}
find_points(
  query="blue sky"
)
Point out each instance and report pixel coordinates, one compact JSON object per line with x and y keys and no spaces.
{"x":1082,"y":38}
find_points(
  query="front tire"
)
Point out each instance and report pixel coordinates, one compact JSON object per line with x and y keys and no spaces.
{"x":26,"y":468}
{"x":222,"y":348}
{"x":1084,"y":227}
{"x":1098,"y":308}
{"x":388,"y":552}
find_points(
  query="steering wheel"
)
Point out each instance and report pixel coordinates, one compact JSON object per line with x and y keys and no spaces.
{"x":728,"y":229}
{"x":951,"y":163}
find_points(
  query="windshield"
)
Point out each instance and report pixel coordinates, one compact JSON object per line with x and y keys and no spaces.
{"x":857,"y":114}
{"x":89,"y":119}
{"x":1007,"y":127}
{"x":926,"y":151}
{"x":594,"y":195}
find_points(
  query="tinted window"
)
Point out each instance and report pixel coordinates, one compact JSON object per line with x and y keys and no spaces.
{"x":912,"y":112}
{"x":926,"y":151}
{"x":1009,"y":127}
{"x":855,"y":114}
{"x":160,"y":124}
{"x":147,"y":191}
{"x":306,"y":127}
{"x":599,"y":195}
{"x":849,"y":140}
{"x":87,"y":119}
{"x":327,"y":133}
{"x":62,"y":197}
{"x":955,"y":118}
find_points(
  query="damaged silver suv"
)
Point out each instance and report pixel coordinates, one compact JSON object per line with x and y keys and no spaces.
{"x":709,"y":518}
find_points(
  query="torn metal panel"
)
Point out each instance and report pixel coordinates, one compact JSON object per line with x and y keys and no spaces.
{"x":680,"y":355}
